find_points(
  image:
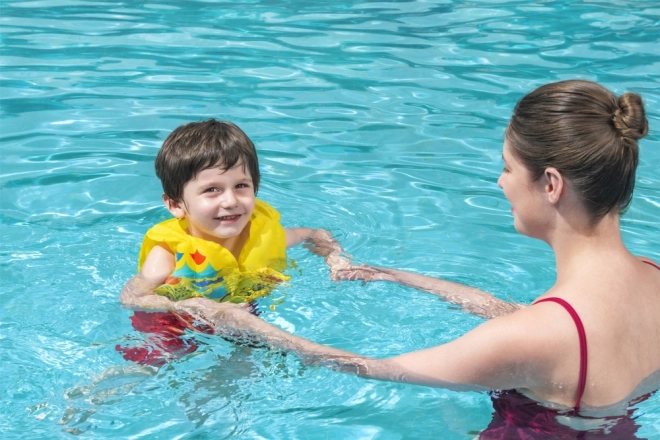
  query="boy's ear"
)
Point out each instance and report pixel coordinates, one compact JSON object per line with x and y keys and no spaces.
{"x":174,"y":207}
{"x":554,"y":184}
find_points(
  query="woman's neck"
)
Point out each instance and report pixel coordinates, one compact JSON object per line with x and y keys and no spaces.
{"x":579,"y":246}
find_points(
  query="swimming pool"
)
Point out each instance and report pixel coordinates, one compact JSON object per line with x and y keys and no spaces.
{"x":381,"y":121}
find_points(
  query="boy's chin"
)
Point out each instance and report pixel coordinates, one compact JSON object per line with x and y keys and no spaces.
{"x":227,"y":233}
{"x":218,"y":236}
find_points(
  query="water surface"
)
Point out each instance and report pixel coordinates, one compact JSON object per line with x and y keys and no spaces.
{"x":381,"y":121}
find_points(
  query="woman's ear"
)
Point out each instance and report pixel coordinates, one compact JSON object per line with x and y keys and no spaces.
{"x":554,"y":184}
{"x":175,"y":208}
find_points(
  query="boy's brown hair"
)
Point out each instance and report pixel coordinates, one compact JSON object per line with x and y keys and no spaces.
{"x":197,"y":146}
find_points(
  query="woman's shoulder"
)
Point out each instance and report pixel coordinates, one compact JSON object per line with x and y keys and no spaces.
{"x":522,"y":349}
{"x":648,"y":261}
{"x":537,"y":327}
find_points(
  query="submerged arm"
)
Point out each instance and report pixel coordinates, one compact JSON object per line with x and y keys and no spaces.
{"x":472,"y":300}
{"x":481,"y":360}
{"x":138,"y":292}
{"x":234,"y":320}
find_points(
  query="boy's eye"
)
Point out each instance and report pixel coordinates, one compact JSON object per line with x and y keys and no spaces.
{"x":212,"y":189}
{"x":242,"y":185}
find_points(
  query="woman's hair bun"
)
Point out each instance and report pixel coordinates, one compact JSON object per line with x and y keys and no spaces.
{"x":629,"y":117}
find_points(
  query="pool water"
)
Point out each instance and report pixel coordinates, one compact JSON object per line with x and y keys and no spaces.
{"x":380,"y":121}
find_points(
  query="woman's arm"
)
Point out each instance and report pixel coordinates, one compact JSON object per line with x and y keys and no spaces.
{"x":496,"y":355}
{"x":472,"y":300}
{"x":138,"y":292}
{"x":322,"y":243}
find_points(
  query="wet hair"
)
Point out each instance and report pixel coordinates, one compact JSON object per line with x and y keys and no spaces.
{"x":585,"y":132}
{"x":197,"y":146}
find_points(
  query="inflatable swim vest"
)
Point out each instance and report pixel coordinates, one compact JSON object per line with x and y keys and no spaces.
{"x":206,"y":269}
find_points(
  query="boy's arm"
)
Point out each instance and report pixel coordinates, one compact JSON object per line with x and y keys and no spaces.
{"x":472,"y":300}
{"x":296,"y":236}
{"x":138,"y":292}
{"x":322,"y":243}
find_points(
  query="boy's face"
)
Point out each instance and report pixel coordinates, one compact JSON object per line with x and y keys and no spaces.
{"x":217,"y":204}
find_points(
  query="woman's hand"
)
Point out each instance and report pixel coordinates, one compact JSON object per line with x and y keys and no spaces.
{"x":194,"y":305}
{"x":362,"y":273}
{"x":337,"y":263}
{"x":322,"y":243}
{"x":234,"y":321}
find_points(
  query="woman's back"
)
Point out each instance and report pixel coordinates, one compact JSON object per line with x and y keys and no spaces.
{"x":625,"y":331}
{"x":618,"y":301}
{"x":620,"y":309}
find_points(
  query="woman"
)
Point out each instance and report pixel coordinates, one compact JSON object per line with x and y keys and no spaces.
{"x":570,"y":156}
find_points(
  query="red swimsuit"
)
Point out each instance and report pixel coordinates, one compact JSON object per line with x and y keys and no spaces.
{"x":582,"y":381}
{"x":519,"y":417}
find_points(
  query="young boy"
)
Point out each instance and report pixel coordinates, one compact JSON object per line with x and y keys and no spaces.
{"x":222,"y":244}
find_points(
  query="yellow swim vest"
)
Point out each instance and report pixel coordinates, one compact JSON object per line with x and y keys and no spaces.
{"x":205,"y":268}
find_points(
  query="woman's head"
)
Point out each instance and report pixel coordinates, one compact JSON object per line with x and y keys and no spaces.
{"x":586,"y":133}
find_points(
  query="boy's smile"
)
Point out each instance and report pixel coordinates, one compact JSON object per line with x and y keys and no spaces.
{"x":217,"y":203}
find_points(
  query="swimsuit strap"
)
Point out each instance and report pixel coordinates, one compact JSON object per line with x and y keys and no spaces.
{"x":651,"y":264}
{"x":582,"y":383}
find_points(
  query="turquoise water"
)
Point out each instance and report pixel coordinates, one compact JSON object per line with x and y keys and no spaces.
{"x":381,"y":121}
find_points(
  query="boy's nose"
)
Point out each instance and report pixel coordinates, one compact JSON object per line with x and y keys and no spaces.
{"x":229,"y":199}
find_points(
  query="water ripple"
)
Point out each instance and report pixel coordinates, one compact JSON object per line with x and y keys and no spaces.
{"x":381,"y":121}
